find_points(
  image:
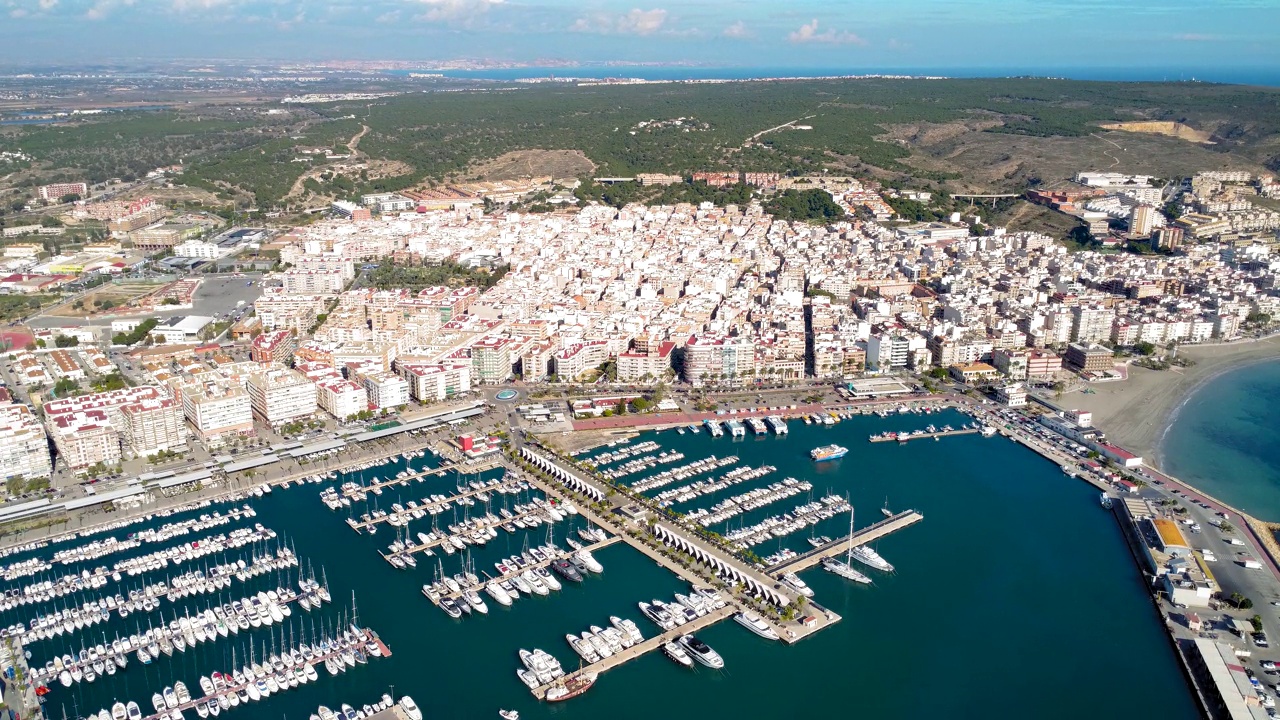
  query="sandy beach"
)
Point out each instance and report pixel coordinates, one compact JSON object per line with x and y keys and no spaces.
{"x":1135,"y":412}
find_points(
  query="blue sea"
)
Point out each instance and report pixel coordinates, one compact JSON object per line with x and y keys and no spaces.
{"x":1223,"y":439}
{"x":1238,"y":75}
{"x":1015,"y":597}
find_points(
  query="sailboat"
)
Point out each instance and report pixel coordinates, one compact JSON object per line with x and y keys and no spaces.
{"x":844,"y":568}
{"x":885,"y":510}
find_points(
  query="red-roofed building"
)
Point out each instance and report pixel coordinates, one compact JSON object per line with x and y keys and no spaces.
{"x":275,"y":346}
{"x":640,"y":366}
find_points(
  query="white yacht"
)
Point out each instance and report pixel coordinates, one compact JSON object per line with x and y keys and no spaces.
{"x":794,"y":582}
{"x":755,"y":624}
{"x":870,"y":558}
{"x":410,"y":708}
{"x":701,"y":652}
{"x":677,"y":654}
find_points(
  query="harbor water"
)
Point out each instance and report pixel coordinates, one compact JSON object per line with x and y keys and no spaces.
{"x":1015,"y":597}
{"x":1222,"y":439}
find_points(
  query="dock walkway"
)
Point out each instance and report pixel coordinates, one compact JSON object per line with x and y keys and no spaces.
{"x":439,"y":471}
{"x":835,"y":547}
{"x":648,"y":645}
{"x":317,"y":661}
{"x":903,"y":438}
{"x":531,"y":566}
{"x":362,"y":525}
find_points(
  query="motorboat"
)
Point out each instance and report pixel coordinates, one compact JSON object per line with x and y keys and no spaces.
{"x":701,"y":652}
{"x":755,"y":624}
{"x":794,"y":582}
{"x":677,"y":654}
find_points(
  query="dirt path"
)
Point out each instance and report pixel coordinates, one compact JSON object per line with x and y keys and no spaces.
{"x":354,"y":143}
{"x":757,"y":136}
{"x":353,"y":146}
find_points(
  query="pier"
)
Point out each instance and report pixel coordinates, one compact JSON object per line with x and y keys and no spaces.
{"x":867,"y":534}
{"x":531,"y":566}
{"x":479,"y":523}
{"x":406,"y":479}
{"x":362,"y":525}
{"x":371,"y":639}
{"x":648,"y":645}
{"x":903,"y":438}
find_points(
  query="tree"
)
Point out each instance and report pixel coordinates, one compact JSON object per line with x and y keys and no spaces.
{"x":69,"y":198}
{"x":1144,"y":348}
{"x":65,"y":341}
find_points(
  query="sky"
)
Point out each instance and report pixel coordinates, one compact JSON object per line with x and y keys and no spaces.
{"x":858,"y":35}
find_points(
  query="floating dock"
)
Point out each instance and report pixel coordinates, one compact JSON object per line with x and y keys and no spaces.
{"x":488,"y":578}
{"x":318,"y":660}
{"x":648,"y":645}
{"x":867,"y":534}
{"x":440,"y":471}
{"x":361,"y":525}
{"x":905,"y":437}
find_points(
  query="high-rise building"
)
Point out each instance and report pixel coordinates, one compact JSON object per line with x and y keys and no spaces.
{"x":217,"y":411}
{"x":1142,"y":220}
{"x":1091,"y":323}
{"x":153,"y":425}
{"x":24,"y":448}
{"x":280,"y":395}
{"x":85,"y":439}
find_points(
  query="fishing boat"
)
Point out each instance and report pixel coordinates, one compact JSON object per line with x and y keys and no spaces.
{"x":1106,"y":501}
{"x":571,"y":687}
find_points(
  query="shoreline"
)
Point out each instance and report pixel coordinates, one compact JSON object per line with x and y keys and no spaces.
{"x":1137,"y":413}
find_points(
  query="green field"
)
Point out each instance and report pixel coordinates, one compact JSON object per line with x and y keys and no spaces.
{"x":874,"y":127}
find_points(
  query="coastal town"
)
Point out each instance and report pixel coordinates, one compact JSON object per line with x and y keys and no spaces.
{"x":405,"y":337}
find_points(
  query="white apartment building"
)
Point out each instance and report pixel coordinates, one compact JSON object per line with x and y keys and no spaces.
{"x":715,"y":358}
{"x":892,"y":351}
{"x":433,"y":382}
{"x":85,"y":439}
{"x":313,"y":282}
{"x":217,"y":412}
{"x":24,"y":447}
{"x":281,"y":395}
{"x":198,"y":249}
{"x":385,"y":389}
{"x":153,"y":425}
{"x":340,"y":397}
{"x":1091,"y":323}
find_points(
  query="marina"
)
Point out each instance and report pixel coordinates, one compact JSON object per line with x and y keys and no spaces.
{"x":953,"y":479}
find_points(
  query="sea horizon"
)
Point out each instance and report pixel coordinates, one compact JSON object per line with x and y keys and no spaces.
{"x":1269,"y":77}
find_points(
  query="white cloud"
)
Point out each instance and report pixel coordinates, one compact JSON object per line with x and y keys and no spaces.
{"x":455,"y":10}
{"x":635,"y":22}
{"x":1196,"y":37}
{"x":738,"y":30}
{"x":102,"y":8}
{"x":198,"y":5}
{"x":808,"y":33}
{"x":47,"y":5}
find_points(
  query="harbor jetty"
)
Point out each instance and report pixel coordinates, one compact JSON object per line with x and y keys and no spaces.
{"x":871,"y":533}
{"x":639,"y":649}
{"x":381,"y":485}
{"x":903,"y":437}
